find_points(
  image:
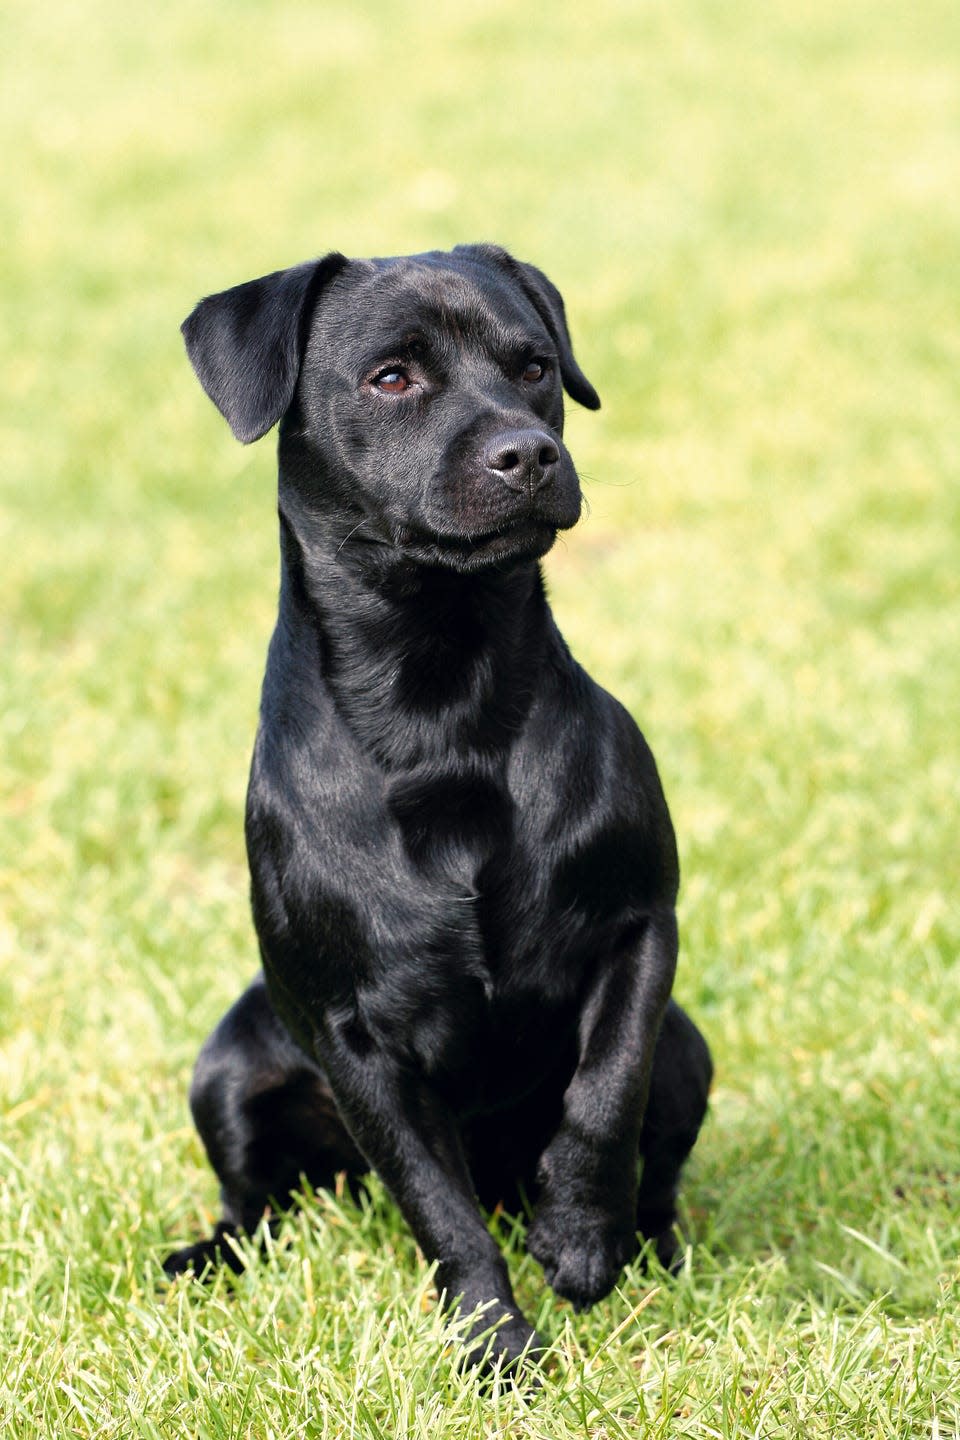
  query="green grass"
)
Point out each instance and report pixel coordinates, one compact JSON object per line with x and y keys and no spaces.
{"x":754,"y":212}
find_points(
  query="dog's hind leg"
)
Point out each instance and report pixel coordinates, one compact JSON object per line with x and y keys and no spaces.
{"x":266,"y":1117}
{"x":677,"y":1103}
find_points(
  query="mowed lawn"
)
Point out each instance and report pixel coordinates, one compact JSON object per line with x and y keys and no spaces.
{"x":753,"y":210}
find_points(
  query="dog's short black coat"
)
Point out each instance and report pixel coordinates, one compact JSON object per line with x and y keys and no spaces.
{"x":463,"y":867}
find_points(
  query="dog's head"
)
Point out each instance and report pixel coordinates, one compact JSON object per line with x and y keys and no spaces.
{"x":420,"y":399}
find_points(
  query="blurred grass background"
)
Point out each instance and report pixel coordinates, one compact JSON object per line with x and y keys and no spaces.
{"x":753,"y":211}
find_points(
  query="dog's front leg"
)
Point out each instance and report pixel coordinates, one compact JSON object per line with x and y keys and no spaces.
{"x":410,"y":1137}
{"x":584,"y":1229}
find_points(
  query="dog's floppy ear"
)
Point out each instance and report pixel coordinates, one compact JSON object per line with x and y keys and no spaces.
{"x":246,"y":344}
{"x":548,"y":303}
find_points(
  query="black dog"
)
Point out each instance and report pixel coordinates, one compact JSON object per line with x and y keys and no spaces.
{"x":463,"y":868}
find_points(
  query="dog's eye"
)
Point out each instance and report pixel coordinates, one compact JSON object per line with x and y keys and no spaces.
{"x":391,"y":382}
{"x":534,"y":371}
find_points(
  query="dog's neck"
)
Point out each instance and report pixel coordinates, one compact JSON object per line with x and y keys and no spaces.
{"x":424,"y":665}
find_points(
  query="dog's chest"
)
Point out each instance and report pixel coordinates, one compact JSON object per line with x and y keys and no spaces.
{"x":451,"y":818}
{"x":483,"y":1027}
{"x":489,"y":982}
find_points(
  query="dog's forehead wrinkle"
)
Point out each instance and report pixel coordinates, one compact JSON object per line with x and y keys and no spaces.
{"x":428,"y":297}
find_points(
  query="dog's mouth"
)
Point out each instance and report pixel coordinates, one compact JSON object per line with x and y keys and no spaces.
{"x":526,"y":538}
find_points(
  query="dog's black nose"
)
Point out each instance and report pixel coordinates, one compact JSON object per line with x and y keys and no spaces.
{"x":523,"y":459}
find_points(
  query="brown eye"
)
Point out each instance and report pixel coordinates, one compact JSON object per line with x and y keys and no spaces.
{"x":533,"y":371}
{"x":392,"y":382}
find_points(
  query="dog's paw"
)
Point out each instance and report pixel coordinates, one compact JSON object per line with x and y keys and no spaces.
{"x":659,"y":1226}
{"x":581,"y":1251}
{"x":500,"y":1339}
{"x":204,"y":1259}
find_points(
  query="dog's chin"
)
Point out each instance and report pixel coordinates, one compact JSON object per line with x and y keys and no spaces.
{"x":520,"y":540}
